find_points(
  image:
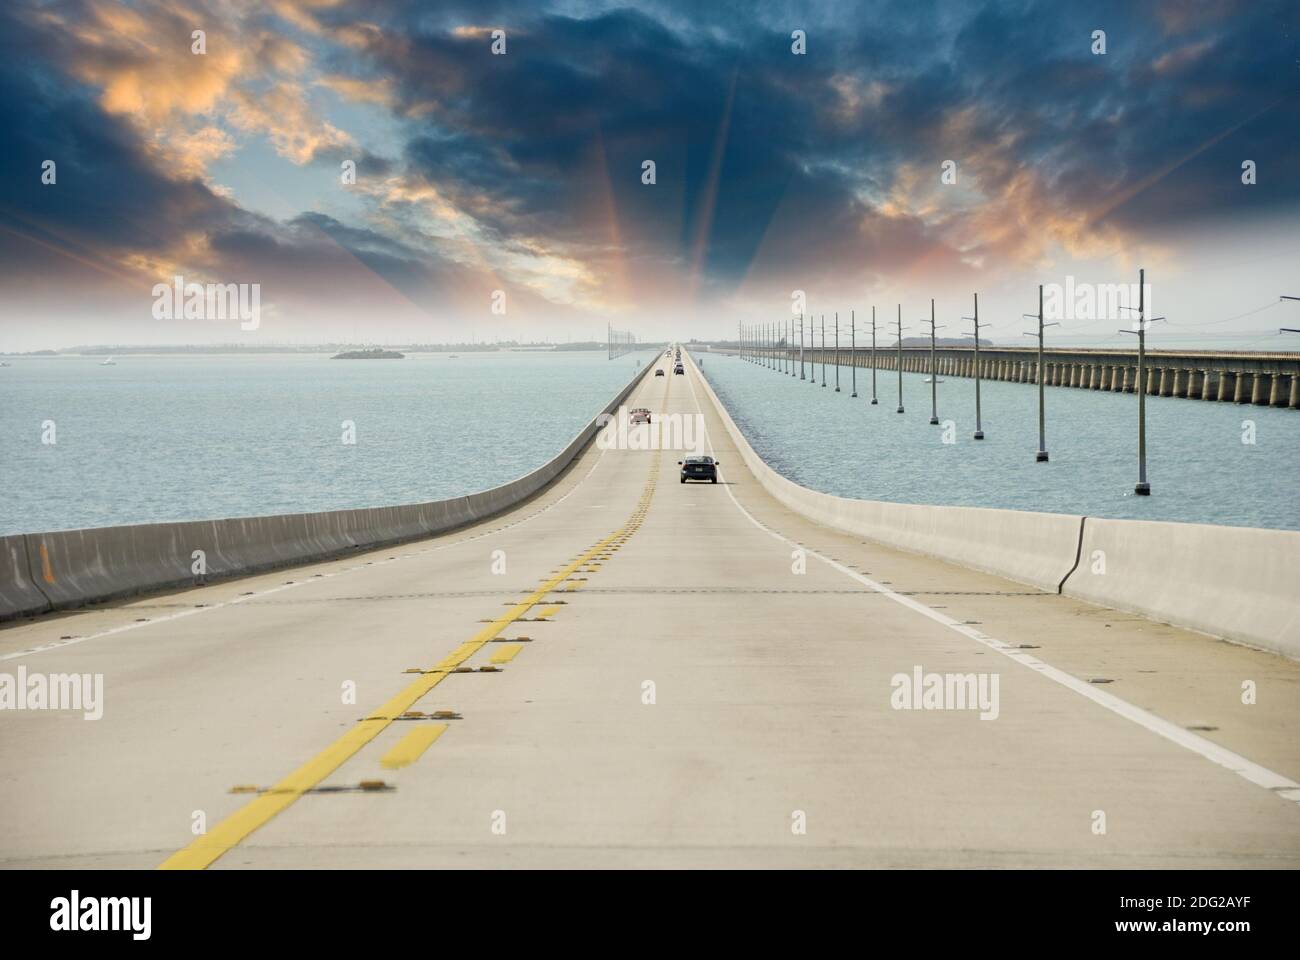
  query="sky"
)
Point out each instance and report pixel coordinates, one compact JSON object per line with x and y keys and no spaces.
{"x":815,"y":157}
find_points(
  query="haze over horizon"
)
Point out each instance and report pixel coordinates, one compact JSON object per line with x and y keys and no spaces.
{"x":522,"y":171}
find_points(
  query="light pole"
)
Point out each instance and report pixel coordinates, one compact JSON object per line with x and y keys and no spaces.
{"x":1041,"y":456}
{"x":979,"y":429}
{"x":1142,"y":488}
{"x":900,"y":358}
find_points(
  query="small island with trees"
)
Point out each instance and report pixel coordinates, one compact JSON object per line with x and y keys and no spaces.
{"x":375,"y":354}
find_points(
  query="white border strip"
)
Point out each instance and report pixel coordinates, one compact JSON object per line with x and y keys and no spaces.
{"x":1260,"y":776}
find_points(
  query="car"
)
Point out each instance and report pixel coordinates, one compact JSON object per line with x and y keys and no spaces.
{"x":639,"y":415}
{"x":699,"y":468}
{"x":659,"y":372}
{"x":678,"y":369}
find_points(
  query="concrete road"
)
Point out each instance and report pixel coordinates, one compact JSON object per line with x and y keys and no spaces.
{"x":676,"y":685}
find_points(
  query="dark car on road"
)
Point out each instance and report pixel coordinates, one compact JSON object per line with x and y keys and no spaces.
{"x":699,"y":468}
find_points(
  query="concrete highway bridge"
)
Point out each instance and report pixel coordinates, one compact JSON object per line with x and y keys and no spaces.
{"x":624,"y":670}
{"x":1263,"y":379}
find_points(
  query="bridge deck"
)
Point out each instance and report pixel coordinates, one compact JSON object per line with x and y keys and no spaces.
{"x":771,"y":688}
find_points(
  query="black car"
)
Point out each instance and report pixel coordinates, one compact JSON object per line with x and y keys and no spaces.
{"x":699,"y":468}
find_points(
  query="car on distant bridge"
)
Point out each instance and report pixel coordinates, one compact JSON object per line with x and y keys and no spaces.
{"x":659,"y":372}
{"x":639,"y":415}
{"x":679,"y":369}
{"x":699,"y":468}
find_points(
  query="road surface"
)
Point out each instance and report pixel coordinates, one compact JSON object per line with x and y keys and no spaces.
{"x":676,"y":685}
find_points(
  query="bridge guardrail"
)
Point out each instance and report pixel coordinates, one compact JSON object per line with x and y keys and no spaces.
{"x":1237,"y":583}
{"x":41,"y":572}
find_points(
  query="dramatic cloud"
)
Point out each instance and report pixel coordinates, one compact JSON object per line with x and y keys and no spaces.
{"x":523,"y":172}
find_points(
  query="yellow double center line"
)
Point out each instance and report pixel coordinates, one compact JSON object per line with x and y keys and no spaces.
{"x":257,"y":813}
{"x":231,"y":831}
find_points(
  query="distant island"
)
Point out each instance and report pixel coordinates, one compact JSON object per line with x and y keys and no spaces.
{"x":375,"y":354}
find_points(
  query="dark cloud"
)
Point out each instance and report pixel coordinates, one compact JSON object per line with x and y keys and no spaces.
{"x":805,"y":167}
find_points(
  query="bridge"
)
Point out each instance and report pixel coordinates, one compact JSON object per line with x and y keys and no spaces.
{"x":1259,"y":378}
{"x":606,"y":667}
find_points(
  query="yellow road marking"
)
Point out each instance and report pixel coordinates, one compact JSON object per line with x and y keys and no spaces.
{"x":548,"y":611}
{"x":204,"y":851}
{"x":410,"y":747}
{"x":506,"y":653}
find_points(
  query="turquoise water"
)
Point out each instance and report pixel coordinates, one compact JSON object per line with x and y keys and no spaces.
{"x":1199,"y":469}
{"x":195,"y":437}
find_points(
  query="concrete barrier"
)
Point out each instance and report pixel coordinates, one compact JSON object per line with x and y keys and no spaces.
{"x":1233,"y":582}
{"x":18,"y":590}
{"x":1237,"y":583}
{"x":76,"y":567}
{"x":1038,"y":549}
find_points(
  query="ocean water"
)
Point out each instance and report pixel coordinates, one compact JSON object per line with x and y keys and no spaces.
{"x":160,"y":438}
{"x":1199,"y":468}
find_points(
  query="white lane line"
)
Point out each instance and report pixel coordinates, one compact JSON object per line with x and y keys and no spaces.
{"x":1259,"y":775}
{"x":58,"y":644}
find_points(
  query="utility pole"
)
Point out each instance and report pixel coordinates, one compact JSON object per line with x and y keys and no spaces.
{"x":1142,"y":489}
{"x":823,"y":349}
{"x":837,"y":351}
{"x":873,"y":356}
{"x":1287,"y":329}
{"x":934,"y":374}
{"x":979,"y":429}
{"x":900,"y":358}
{"x":1041,"y":456}
{"x":853,"y":350}
{"x":801,"y":346}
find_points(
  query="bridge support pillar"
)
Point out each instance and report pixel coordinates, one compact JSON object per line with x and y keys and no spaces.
{"x":1179,"y":387}
{"x":1263,"y":386}
{"x":1281,"y":390}
{"x":1242,"y":393}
